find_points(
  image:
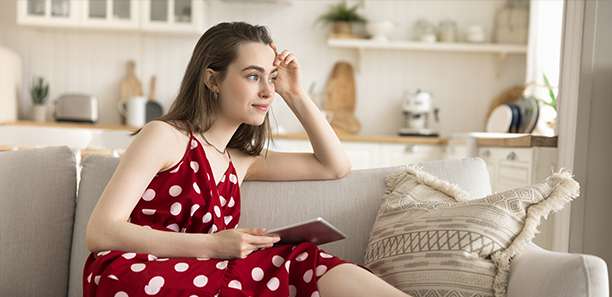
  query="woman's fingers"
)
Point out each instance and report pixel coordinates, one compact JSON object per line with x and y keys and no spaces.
{"x":257,"y":239}
{"x":285,"y":57}
{"x":274,"y":47}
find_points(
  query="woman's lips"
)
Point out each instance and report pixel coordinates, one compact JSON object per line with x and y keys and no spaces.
{"x":262,"y":107}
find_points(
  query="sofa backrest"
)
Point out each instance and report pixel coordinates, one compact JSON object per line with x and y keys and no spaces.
{"x":350,"y":203}
{"x":95,"y":174}
{"x":37,"y":199}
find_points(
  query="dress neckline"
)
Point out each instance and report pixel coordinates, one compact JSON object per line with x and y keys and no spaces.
{"x":229,"y":165}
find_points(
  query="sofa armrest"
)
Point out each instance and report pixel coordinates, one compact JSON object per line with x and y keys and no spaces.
{"x":538,"y":272}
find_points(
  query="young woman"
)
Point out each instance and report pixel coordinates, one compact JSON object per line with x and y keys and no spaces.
{"x":166,"y":224}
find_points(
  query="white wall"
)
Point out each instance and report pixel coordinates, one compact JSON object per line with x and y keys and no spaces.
{"x":586,"y":139}
{"x":463,"y":84}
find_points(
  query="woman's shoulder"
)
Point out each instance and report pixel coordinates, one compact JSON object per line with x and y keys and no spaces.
{"x":161,"y":141}
{"x":164,"y":130}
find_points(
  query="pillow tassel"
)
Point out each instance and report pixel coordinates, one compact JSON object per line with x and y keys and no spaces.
{"x":566,"y":190}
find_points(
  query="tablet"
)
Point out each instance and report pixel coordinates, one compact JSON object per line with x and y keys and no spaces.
{"x":317,"y":231}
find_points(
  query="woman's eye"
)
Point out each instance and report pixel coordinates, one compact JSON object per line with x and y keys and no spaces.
{"x":252,"y":77}
{"x":272,"y":79}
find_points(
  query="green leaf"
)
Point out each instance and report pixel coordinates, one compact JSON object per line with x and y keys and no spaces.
{"x":550,"y":91}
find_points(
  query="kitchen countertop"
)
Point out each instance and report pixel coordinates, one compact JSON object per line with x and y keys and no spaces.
{"x":359,"y":138}
{"x":503,"y":139}
{"x":521,"y":141}
{"x":374,"y":138}
{"x":482,"y":139}
{"x":69,"y":125}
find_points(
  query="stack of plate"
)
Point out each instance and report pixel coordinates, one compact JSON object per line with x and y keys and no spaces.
{"x":518,"y":117}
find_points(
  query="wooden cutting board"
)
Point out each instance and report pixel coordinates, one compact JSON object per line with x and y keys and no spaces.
{"x":340,"y":89}
{"x":341,"y":99}
{"x":130,"y":85}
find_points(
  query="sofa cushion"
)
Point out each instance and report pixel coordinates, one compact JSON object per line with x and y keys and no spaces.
{"x":37,"y":203}
{"x":95,"y":174}
{"x":429,"y":239}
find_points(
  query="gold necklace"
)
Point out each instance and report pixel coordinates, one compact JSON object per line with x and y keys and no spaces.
{"x":208,"y":142}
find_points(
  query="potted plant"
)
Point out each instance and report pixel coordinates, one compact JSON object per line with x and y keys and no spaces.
{"x":341,"y":17}
{"x":39,"y":93}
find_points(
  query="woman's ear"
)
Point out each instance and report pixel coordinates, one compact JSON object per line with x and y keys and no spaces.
{"x":210,"y":79}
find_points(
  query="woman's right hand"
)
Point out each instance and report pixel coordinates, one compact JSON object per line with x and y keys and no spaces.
{"x":239,"y":243}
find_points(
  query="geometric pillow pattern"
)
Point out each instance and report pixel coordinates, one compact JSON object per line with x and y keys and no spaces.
{"x":429,"y":240}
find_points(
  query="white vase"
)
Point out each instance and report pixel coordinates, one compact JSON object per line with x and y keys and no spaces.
{"x":39,"y":113}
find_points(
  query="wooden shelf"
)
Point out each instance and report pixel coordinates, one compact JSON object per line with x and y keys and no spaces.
{"x":427,"y":46}
{"x":457,"y":47}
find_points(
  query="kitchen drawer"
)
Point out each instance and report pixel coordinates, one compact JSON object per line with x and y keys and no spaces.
{"x":514,"y":173}
{"x":509,"y":154}
{"x":405,"y":154}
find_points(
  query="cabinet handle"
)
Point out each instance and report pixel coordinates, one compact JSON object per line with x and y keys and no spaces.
{"x":511,"y":156}
{"x":486,"y":154}
{"x":411,"y":148}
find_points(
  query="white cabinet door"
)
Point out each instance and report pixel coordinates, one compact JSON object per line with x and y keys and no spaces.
{"x":60,"y":13}
{"x":116,"y":14}
{"x":363,"y":155}
{"x":177,"y":16}
{"x":394,"y":154}
{"x":511,"y":168}
{"x":173,"y":16}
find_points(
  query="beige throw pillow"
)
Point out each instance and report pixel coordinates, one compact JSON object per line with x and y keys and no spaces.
{"x":429,"y":240}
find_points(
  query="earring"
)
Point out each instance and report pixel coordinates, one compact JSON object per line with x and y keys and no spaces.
{"x":215,"y":95}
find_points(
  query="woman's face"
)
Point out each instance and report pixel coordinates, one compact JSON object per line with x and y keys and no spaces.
{"x":247,"y":91}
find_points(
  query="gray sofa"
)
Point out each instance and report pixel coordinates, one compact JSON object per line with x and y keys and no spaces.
{"x":42,"y":223}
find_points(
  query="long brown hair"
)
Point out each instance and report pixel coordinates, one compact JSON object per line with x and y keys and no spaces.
{"x":196,"y":103}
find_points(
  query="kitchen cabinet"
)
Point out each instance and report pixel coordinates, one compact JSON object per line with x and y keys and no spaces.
{"x":116,"y":14}
{"x":393,"y":154}
{"x":60,"y":13}
{"x":365,"y":154}
{"x":501,"y":50}
{"x":511,"y":168}
{"x":176,"y":16}
{"x":173,"y":16}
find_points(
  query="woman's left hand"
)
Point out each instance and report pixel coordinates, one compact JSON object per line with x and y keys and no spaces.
{"x":288,"y":82}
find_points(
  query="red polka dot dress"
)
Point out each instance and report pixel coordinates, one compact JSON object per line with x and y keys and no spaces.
{"x":185,"y":198}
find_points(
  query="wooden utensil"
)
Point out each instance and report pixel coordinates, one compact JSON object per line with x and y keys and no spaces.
{"x":340,"y":89}
{"x":341,"y":99}
{"x":130,"y":87}
{"x":153,"y":109}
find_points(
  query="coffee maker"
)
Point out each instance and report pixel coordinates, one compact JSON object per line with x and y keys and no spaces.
{"x":417,"y":110}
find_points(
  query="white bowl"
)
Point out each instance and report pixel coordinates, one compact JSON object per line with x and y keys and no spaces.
{"x":380,"y":30}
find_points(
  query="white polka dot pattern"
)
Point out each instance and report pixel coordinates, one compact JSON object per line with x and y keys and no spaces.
{"x":308,"y":275}
{"x":273,"y":284}
{"x":186,"y":199}
{"x":148,"y":195}
{"x":154,"y":285}
{"x":195,"y":166}
{"x":235,"y":284}
{"x":176,"y":208}
{"x":175,"y":190}
{"x":200,"y":281}
{"x":257,"y":274}
{"x":181,"y":267}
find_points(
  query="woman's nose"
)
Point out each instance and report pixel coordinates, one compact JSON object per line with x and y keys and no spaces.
{"x":267,"y":90}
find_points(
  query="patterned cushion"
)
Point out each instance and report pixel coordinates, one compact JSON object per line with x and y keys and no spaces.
{"x":430,"y":240}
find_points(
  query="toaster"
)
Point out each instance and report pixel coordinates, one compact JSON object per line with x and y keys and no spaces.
{"x":76,"y":108}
